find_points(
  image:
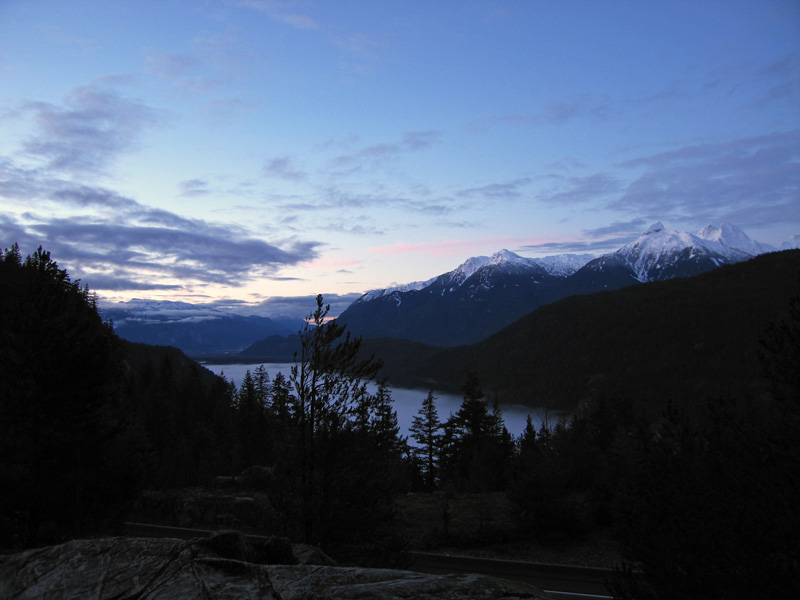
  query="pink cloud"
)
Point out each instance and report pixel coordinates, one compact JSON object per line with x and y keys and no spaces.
{"x":335,"y":262}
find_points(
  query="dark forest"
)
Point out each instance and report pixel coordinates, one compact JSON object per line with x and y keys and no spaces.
{"x":700,"y":495}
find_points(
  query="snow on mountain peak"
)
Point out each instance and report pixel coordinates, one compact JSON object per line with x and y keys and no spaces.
{"x":732,"y":237}
{"x":658,"y":244}
{"x":655,"y":247}
{"x":466,"y":269}
{"x":792,"y":242}
{"x":505,"y":256}
{"x":654,"y":228}
{"x":563,"y":265}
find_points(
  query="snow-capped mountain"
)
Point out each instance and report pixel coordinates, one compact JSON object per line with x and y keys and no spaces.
{"x":485,"y":294}
{"x":791,"y":243}
{"x":563,"y":265}
{"x":662,"y":253}
{"x":504,"y":261}
{"x":730,"y":236}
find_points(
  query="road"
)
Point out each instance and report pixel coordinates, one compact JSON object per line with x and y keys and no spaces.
{"x":563,"y":582}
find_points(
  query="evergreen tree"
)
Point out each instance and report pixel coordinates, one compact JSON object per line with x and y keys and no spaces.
{"x":251,"y":425}
{"x":67,"y":465}
{"x":384,"y":424}
{"x":327,"y":376}
{"x":427,"y":431}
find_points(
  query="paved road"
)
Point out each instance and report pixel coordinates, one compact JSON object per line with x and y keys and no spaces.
{"x":563,"y":582}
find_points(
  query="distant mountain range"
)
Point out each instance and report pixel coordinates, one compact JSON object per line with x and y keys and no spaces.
{"x":485,"y":294}
{"x":196,"y":330}
{"x":478,"y":298}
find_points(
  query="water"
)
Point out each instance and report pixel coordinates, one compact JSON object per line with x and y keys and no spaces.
{"x":406,"y":402}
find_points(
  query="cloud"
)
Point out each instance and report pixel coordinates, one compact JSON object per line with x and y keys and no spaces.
{"x":348,"y":228}
{"x":581,"y":189}
{"x":148,"y":253}
{"x":336,"y":198}
{"x":274,"y":11}
{"x":597,"y":241}
{"x":361,"y":53}
{"x":126,"y":245}
{"x":295,"y":20}
{"x":748,"y":180}
{"x":171,"y":66}
{"x":114,"y":283}
{"x":282,"y":167}
{"x":412,"y":141}
{"x":497,"y":191}
{"x":92,"y":128}
{"x":190,"y":188}
{"x":618,"y":230}
{"x":301,"y":306}
{"x":555,"y":112}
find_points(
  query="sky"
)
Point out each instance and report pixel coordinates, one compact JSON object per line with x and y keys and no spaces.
{"x":253,"y":153}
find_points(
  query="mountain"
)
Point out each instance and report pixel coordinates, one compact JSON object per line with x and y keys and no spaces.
{"x":658,"y":254}
{"x":792,"y":242}
{"x":464,"y":305}
{"x":485,"y":294}
{"x":668,"y":340}
{"x":730,"y":236}
{"x":195,"y":329}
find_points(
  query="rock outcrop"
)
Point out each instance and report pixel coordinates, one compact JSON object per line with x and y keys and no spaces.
{"x":221,"y":567}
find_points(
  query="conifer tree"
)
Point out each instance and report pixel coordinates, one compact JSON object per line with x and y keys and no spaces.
{"x":327,"y":376}
{"x":384,"y":424}
{"x":427,"y":431}
{"x":64,"y":469}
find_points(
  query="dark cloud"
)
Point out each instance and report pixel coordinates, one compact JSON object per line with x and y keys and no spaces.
{"x":92,"y":128}
{"x":125,"y":284}
{"x":129,"y":244}
{"x":152,"y":254}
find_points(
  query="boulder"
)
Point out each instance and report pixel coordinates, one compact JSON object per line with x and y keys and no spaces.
{"x":148,"y":568}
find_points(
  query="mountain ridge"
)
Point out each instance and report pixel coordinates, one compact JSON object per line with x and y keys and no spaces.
{"x":661,"y":341}
{"x":490,"y":293}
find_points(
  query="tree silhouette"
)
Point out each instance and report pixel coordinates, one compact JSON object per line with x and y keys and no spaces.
{"x":63,"y":467}
{"x":426,"y":429}
{"x":327,"y":377}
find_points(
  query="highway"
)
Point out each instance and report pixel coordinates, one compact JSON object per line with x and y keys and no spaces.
{"x":563,"y":582}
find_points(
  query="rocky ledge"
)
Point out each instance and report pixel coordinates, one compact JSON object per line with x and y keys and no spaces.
{"x":224,"y":566}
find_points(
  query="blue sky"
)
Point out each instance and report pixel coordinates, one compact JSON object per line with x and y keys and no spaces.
{"x":250,"y":151}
